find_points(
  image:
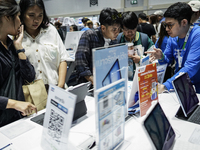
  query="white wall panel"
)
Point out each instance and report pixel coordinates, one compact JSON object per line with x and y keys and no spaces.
{"x":159,"y":2}
{"x":64,"y":7}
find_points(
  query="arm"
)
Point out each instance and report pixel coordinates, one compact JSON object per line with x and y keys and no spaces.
{"x":26,"y":69}
{"x":161,"y":88}
{"x":62,"y":74}
{"x":192,"y":62}
{"x":25,"y":108}
{"x":89,"y":78}
{"x":165,"y":57}
{"x":18,"y":43}
{"x":135,"y":57}
{"x":83,"y":57}
{"x":62,"y":62}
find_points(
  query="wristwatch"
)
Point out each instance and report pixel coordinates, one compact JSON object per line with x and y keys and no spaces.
{"x":20,"y":50}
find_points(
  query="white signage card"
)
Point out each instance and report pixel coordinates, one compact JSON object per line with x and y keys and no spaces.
{"x":144,"y":61}
{"x":161,"y":69}
{"x":110,"y":91}
{"x":110,"y":115}
{"x":72,"y":40}
{"x":58,"y":119}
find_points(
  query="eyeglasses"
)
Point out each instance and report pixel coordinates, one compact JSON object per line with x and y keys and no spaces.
{"x":165,"y":25}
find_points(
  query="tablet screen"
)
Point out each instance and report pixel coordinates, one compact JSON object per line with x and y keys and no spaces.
{"x":159,"y":129}
{"x":185,"y":93}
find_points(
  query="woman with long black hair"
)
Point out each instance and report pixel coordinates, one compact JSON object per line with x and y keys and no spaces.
{"x":14,"y":65}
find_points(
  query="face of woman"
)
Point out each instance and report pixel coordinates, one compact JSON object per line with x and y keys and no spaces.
{"x":33,"y":18}
{"x":12,"y":25}
{"x":16,"y":25}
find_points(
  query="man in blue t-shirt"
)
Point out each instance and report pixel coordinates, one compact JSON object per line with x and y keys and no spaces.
{"x":183,"y":45}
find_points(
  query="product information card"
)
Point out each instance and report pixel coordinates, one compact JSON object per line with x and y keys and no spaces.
{"x":110,"y":91}
{"x":110,"y":122}
{"x":58,"y":119}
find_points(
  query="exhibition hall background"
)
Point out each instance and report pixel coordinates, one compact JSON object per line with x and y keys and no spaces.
{"x":81,"y":8}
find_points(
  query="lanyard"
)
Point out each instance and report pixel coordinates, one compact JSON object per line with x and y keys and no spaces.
{"x":181,"y":54}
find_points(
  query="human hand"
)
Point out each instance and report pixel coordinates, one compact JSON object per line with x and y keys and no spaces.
{"x":156,"y":54}
{"x":136,"y":58}
{"x":18,"y":38}
{"x":26,"y":108}
{"x":90,"y":78}
{"x":161,"y":88}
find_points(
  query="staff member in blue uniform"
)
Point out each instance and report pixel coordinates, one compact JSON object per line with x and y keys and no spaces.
{"x":183,"y":45}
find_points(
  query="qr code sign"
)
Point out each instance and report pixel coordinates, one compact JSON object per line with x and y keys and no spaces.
{"x":55,"y":125}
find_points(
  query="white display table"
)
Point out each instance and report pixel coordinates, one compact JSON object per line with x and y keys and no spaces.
{"x":83,"y":133}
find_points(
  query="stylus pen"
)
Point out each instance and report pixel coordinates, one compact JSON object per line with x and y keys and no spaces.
{"x":6,"y":146}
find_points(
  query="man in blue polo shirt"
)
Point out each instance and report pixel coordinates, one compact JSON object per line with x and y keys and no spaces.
{"x":183,"y":45}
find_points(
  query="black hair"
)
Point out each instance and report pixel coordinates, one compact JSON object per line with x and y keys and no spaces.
{"x":97,"y":23}
{"x":57,"y":24}
{"x":179,"y":11}
{"x":84,"y":20}
{"x":75,"y":28}
{"x":8,"y":8}
{"x":143,"y":16}
{"x":130,"y":20}
{"x":109,"y":17}
{"x":25,"y":4}
{"x":162,"y":34}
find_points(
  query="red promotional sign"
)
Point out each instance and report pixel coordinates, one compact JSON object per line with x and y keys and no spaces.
{"x":148,"y":88}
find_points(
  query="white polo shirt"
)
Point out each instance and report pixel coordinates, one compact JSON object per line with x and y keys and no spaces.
{"x":45,"y":52}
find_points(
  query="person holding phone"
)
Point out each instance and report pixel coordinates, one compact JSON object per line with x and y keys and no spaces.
{"x":44,"y":47}
{"x":14,"y":65}
{"x":131,"y":36}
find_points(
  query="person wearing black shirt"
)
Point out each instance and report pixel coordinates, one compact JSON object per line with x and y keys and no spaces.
{"x":144,"y":27}
{"x":15,"y":67}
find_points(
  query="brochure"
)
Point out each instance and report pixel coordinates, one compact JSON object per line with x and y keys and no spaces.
{"x":161,"y":69}
{"x":148,"y":86}
{"x":151,"y":49}
{"x":58,"y":119}
{"x":110,"y":117}
{"x":144,"y":61}
{"x":139,"y":49}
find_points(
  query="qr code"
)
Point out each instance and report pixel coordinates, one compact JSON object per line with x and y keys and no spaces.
{"x":55,"y":125}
